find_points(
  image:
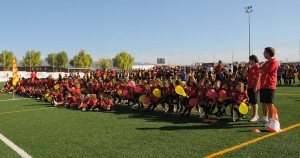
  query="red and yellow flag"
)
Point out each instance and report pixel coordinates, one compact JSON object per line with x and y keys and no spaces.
{"x":15,"y":76}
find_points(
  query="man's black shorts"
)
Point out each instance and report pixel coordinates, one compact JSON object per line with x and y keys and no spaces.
{"x":252,"y":96}
{"x":267,"y":96}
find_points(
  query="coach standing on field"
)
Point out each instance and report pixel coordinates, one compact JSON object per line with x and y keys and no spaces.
{"x":268,"y":82}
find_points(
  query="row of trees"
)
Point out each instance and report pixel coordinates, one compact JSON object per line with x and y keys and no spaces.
{"x":32,"y":58}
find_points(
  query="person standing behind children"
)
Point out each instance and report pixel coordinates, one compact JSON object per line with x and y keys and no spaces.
{"x":253,"y":85}
{"x":268,"y":82}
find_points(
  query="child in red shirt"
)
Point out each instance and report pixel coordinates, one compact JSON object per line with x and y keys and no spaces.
{"x":241,"y":96}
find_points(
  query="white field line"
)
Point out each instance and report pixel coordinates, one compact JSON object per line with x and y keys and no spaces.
{"x":15,"y":99}
{"x":13,"y":146}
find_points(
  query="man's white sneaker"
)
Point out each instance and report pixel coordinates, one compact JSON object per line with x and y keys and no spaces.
{"x":254,"y":119}
{"x":263,"y":122}
{"x":267,"y":124}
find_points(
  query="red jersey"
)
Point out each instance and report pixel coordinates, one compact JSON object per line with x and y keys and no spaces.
{"x":232,"y":94}
{"x":98,"y":73}
{"x":76,"y":91}
{"x":253,"y":75}
{"x":192,"y":92}
{"x":33,"y":75}
{"x":170,"y":90}
{"x":269,"y":77}
{"x":242,"y":96}
{"x":219,"y":69}
{"x":201,"y":91}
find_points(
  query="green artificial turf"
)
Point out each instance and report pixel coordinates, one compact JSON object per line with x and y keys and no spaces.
{"x":60,"y":132}
{"x":6,"y":152}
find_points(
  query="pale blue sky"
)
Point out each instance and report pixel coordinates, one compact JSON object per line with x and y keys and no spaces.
{"x":182,"y":31}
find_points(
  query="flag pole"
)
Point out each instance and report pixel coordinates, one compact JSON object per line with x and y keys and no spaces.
{"x":15,"y":76}
{"x":13,"y":92}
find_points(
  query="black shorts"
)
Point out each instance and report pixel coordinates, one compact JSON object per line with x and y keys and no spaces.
{"x":267,"y":96}
{"x":252,"y":96}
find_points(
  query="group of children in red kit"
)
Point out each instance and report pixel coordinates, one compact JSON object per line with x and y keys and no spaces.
{"x":98,"y":95}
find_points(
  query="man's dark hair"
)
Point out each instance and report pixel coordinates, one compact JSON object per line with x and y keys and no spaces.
{"x":270,"y":51}
{"x":254,"y":58}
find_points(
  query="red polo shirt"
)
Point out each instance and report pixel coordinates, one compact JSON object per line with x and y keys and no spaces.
{"x":253,"y":75}
{"x":269,"y":76}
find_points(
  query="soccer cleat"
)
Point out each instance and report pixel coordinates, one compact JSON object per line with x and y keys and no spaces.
{"x":54,"y":103}
{"x":240,"y":118}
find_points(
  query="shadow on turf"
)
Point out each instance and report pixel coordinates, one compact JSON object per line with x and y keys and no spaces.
{"x":262,"y":131}
{"x":221,"y":124}
{"x":160,"y":116}
{"x":156,"y":116}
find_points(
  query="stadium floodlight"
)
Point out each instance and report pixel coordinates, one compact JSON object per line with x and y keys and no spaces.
{"x":249,"y":10}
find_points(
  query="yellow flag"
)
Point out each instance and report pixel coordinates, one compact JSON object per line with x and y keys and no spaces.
{"x":15,"y":76}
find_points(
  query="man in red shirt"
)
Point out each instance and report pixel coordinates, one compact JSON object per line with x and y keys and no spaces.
{"x":219,"y":71}
{"x":33,"y":74}
{"x":268,"y":82}
{"x":253,"y":85}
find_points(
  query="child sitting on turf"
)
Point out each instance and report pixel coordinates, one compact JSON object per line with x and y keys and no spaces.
{"x":241,"y":96}
{"x":85,"y":104}
{"x":107,"y":104}
{"x":67,"y":102}
{"x":93,"y":103}
{"x":6,"y":87}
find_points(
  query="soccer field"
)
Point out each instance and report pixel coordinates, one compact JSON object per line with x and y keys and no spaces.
{"x":45,"y":131}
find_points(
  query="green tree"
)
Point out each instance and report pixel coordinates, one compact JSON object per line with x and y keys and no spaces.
{"x":104,"y":63}
{"x":62,"y":59}
{"x":32,"y":58}
{"x":82,"y":60}
{"x":6,"y":58}
{"x":51,"y":59}
{"x":123,"y":61}
{"x":59,"y":60}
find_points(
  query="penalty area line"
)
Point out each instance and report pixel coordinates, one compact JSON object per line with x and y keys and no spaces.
{"x":14,"y":147}
{"x":15,"y":99}
{"x":19,"y":111}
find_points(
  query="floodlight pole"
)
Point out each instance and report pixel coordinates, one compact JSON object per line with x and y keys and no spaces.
{"x":4,"y":64}
{"x":30,"y":60}
{"x":53,"y":63}
{"x":248,"y":10}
